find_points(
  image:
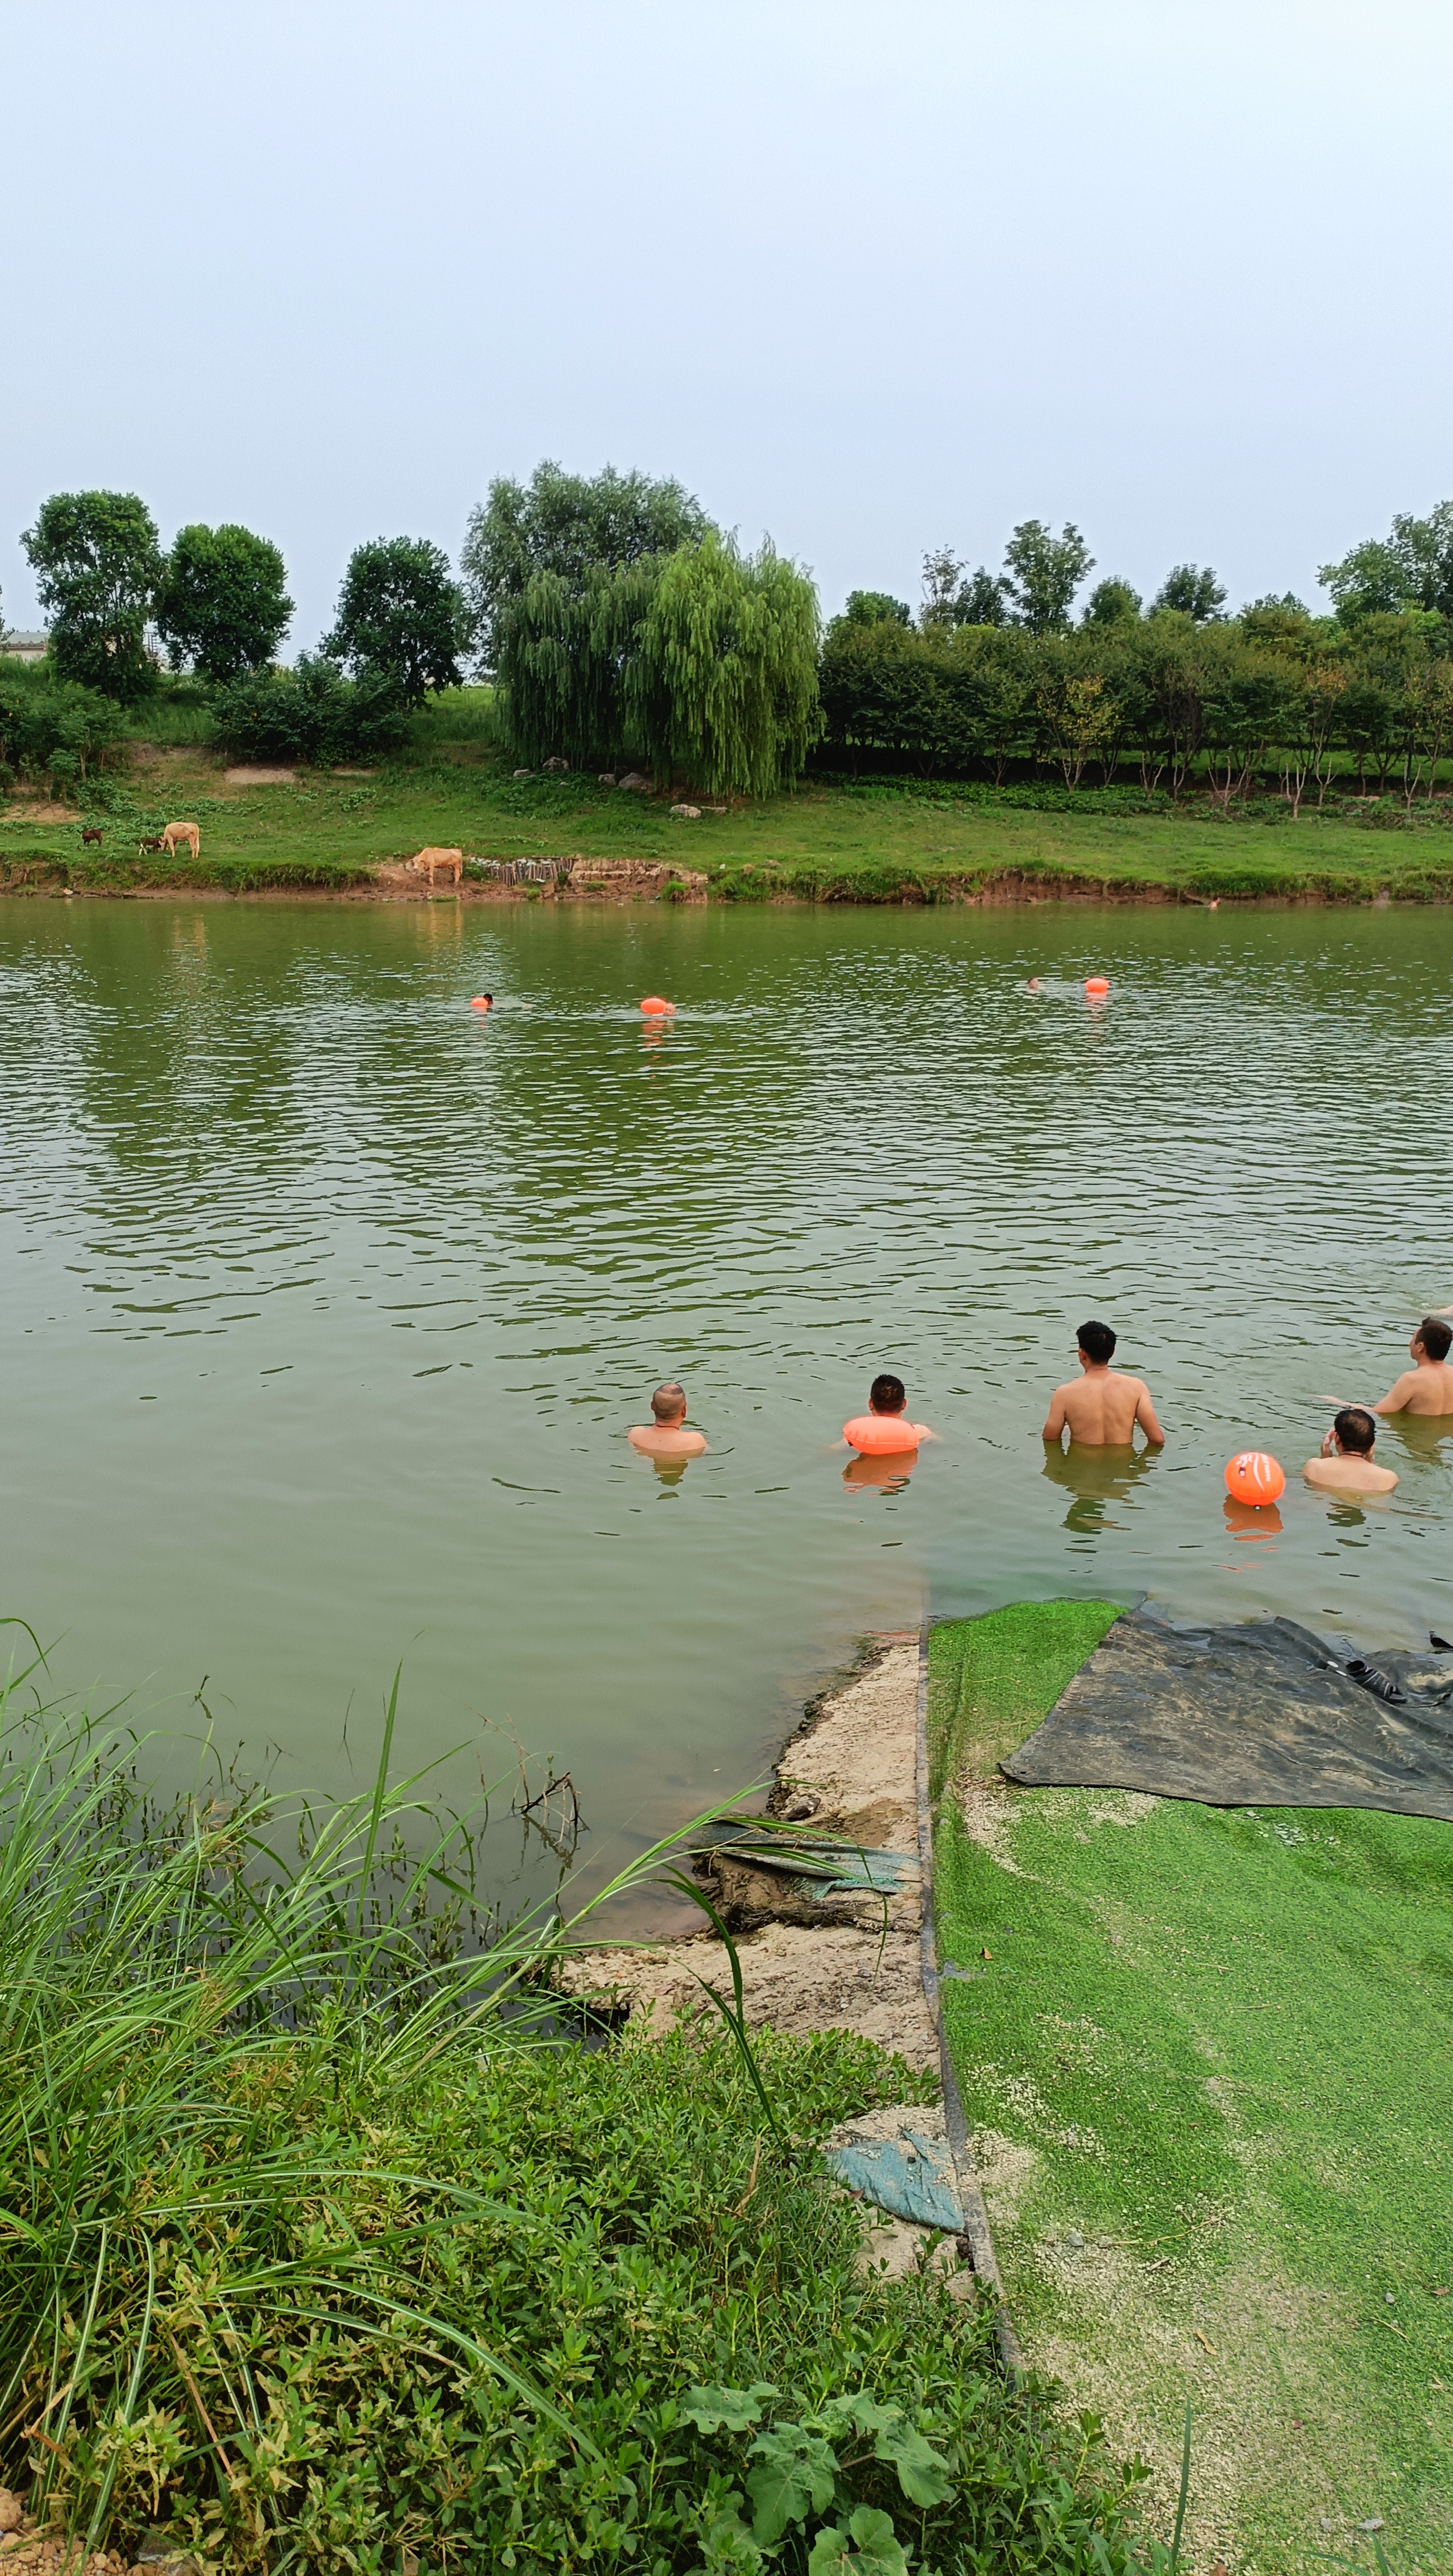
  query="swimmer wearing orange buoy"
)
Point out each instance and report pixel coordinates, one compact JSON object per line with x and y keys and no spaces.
{"x":1101,"y":1408}
{"x":654,"y":1008}
{"x":884,"y":1431}
{"x":482,"y":1002}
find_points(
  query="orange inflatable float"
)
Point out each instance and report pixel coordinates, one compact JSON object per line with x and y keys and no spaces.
{"x":482,"y":1002}
{"x":1254,"y":1477}
{"x":656,"y":1009}
{"x":881,"y":1435}
{"x":1097,"y":983}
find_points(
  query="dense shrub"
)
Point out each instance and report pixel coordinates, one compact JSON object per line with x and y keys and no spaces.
{"x":55,"y":728}
{"x":310,"y":714}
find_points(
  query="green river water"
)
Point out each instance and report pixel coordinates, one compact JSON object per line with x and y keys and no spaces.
{"x":326,"y":1303}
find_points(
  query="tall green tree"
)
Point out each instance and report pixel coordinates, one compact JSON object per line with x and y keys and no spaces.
{"x":1111,"y":603}
{"x":1412,"y":568}
{"x":563,"y":654}
{"x":981,"y":599}
{"x":1192,"y":591}
{"x":568,"y":527}
{"x":942,"y":580}
{"x":400,"y":617}
{"x":223,"y":602}
{"x":724,"y":684}
{"x":1044,"y":571}
{"x":875,"y":608}
{"x":97,"y":561}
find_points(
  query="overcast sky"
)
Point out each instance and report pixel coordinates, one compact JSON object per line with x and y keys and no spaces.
{"x":871,"y":278}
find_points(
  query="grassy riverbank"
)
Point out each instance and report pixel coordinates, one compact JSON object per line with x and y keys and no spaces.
{"x":865,"y":841}
{"x":1206,"y":2055}
{"x":323,"y":2246}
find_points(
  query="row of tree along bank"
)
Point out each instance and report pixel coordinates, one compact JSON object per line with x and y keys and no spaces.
{"x":620,"y":627}
{"x":1275,"y":697}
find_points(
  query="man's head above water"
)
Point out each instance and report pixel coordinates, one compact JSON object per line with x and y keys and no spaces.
{"x":887,"y":1394}
{"x":1097,"y":1343}
{"x":1356,"y":1431}
{"x":665,"y":1436}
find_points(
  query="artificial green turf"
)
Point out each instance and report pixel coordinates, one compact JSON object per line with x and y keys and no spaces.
{"x":1224,"y":2038}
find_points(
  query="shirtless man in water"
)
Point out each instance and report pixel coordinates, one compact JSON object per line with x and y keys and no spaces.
{"x":1100,"y":1410}
{"x":666,"y":1435}
{"x":1427,"y":1387}
{"x":1344,"y":1465}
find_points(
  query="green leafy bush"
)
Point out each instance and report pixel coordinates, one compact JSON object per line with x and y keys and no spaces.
{"x":310,"y":714}
{"x":54,"y":727}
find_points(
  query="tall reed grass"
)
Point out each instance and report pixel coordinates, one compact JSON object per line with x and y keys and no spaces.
{"x":167,"y":1980}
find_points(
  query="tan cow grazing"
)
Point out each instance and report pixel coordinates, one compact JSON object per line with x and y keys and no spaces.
{"x":178,"y":832}
{"x":427,"y":861}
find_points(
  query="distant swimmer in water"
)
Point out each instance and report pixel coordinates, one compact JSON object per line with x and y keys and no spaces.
{"x":1101,"y":1409}
{"x":666,"y":1435}
{"x":1345,"y":1464}
{"x":884,"y":1431}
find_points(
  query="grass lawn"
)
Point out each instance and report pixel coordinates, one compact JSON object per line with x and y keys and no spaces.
{"x":1206,"y":2056}
{"x":873,"y":841}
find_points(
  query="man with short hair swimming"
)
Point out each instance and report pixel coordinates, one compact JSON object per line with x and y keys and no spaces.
{"x":1345,"y":1465}
{"x":889,"y":1396}
{"x":1427,"y":1387}
{"x":1100,"y":1410}
{"x":666,"y":1435}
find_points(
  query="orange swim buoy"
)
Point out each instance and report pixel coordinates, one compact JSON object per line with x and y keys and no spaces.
{"x":881,"y":1435}
{"x":1253,"y":1476}
{"x":1097,"y":983}
{"x":656,"y":1008}
{"x":482,"y":1002}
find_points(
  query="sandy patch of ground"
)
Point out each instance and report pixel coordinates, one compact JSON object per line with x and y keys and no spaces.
{"x":798,"y":1980}
{"x":248,"y":776}
{"x":809,"y":1967}
{"x":41,"y":813}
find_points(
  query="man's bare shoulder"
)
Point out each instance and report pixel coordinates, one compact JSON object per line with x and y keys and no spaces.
{"x":655,"y":1443}
{"x":1348,"y":1476}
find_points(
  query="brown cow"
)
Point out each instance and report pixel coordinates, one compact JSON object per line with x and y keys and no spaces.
{"x":143,"y":846}
{"x":187,"y":832}
{"x":428,"y":860}
{"x":91,"y":840}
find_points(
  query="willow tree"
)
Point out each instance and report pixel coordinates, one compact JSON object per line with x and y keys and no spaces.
{"x":723,"y":681}
{"x":564,"y":647}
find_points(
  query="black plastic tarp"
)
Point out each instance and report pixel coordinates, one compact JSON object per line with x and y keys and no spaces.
{"x":1263,"y":1714}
